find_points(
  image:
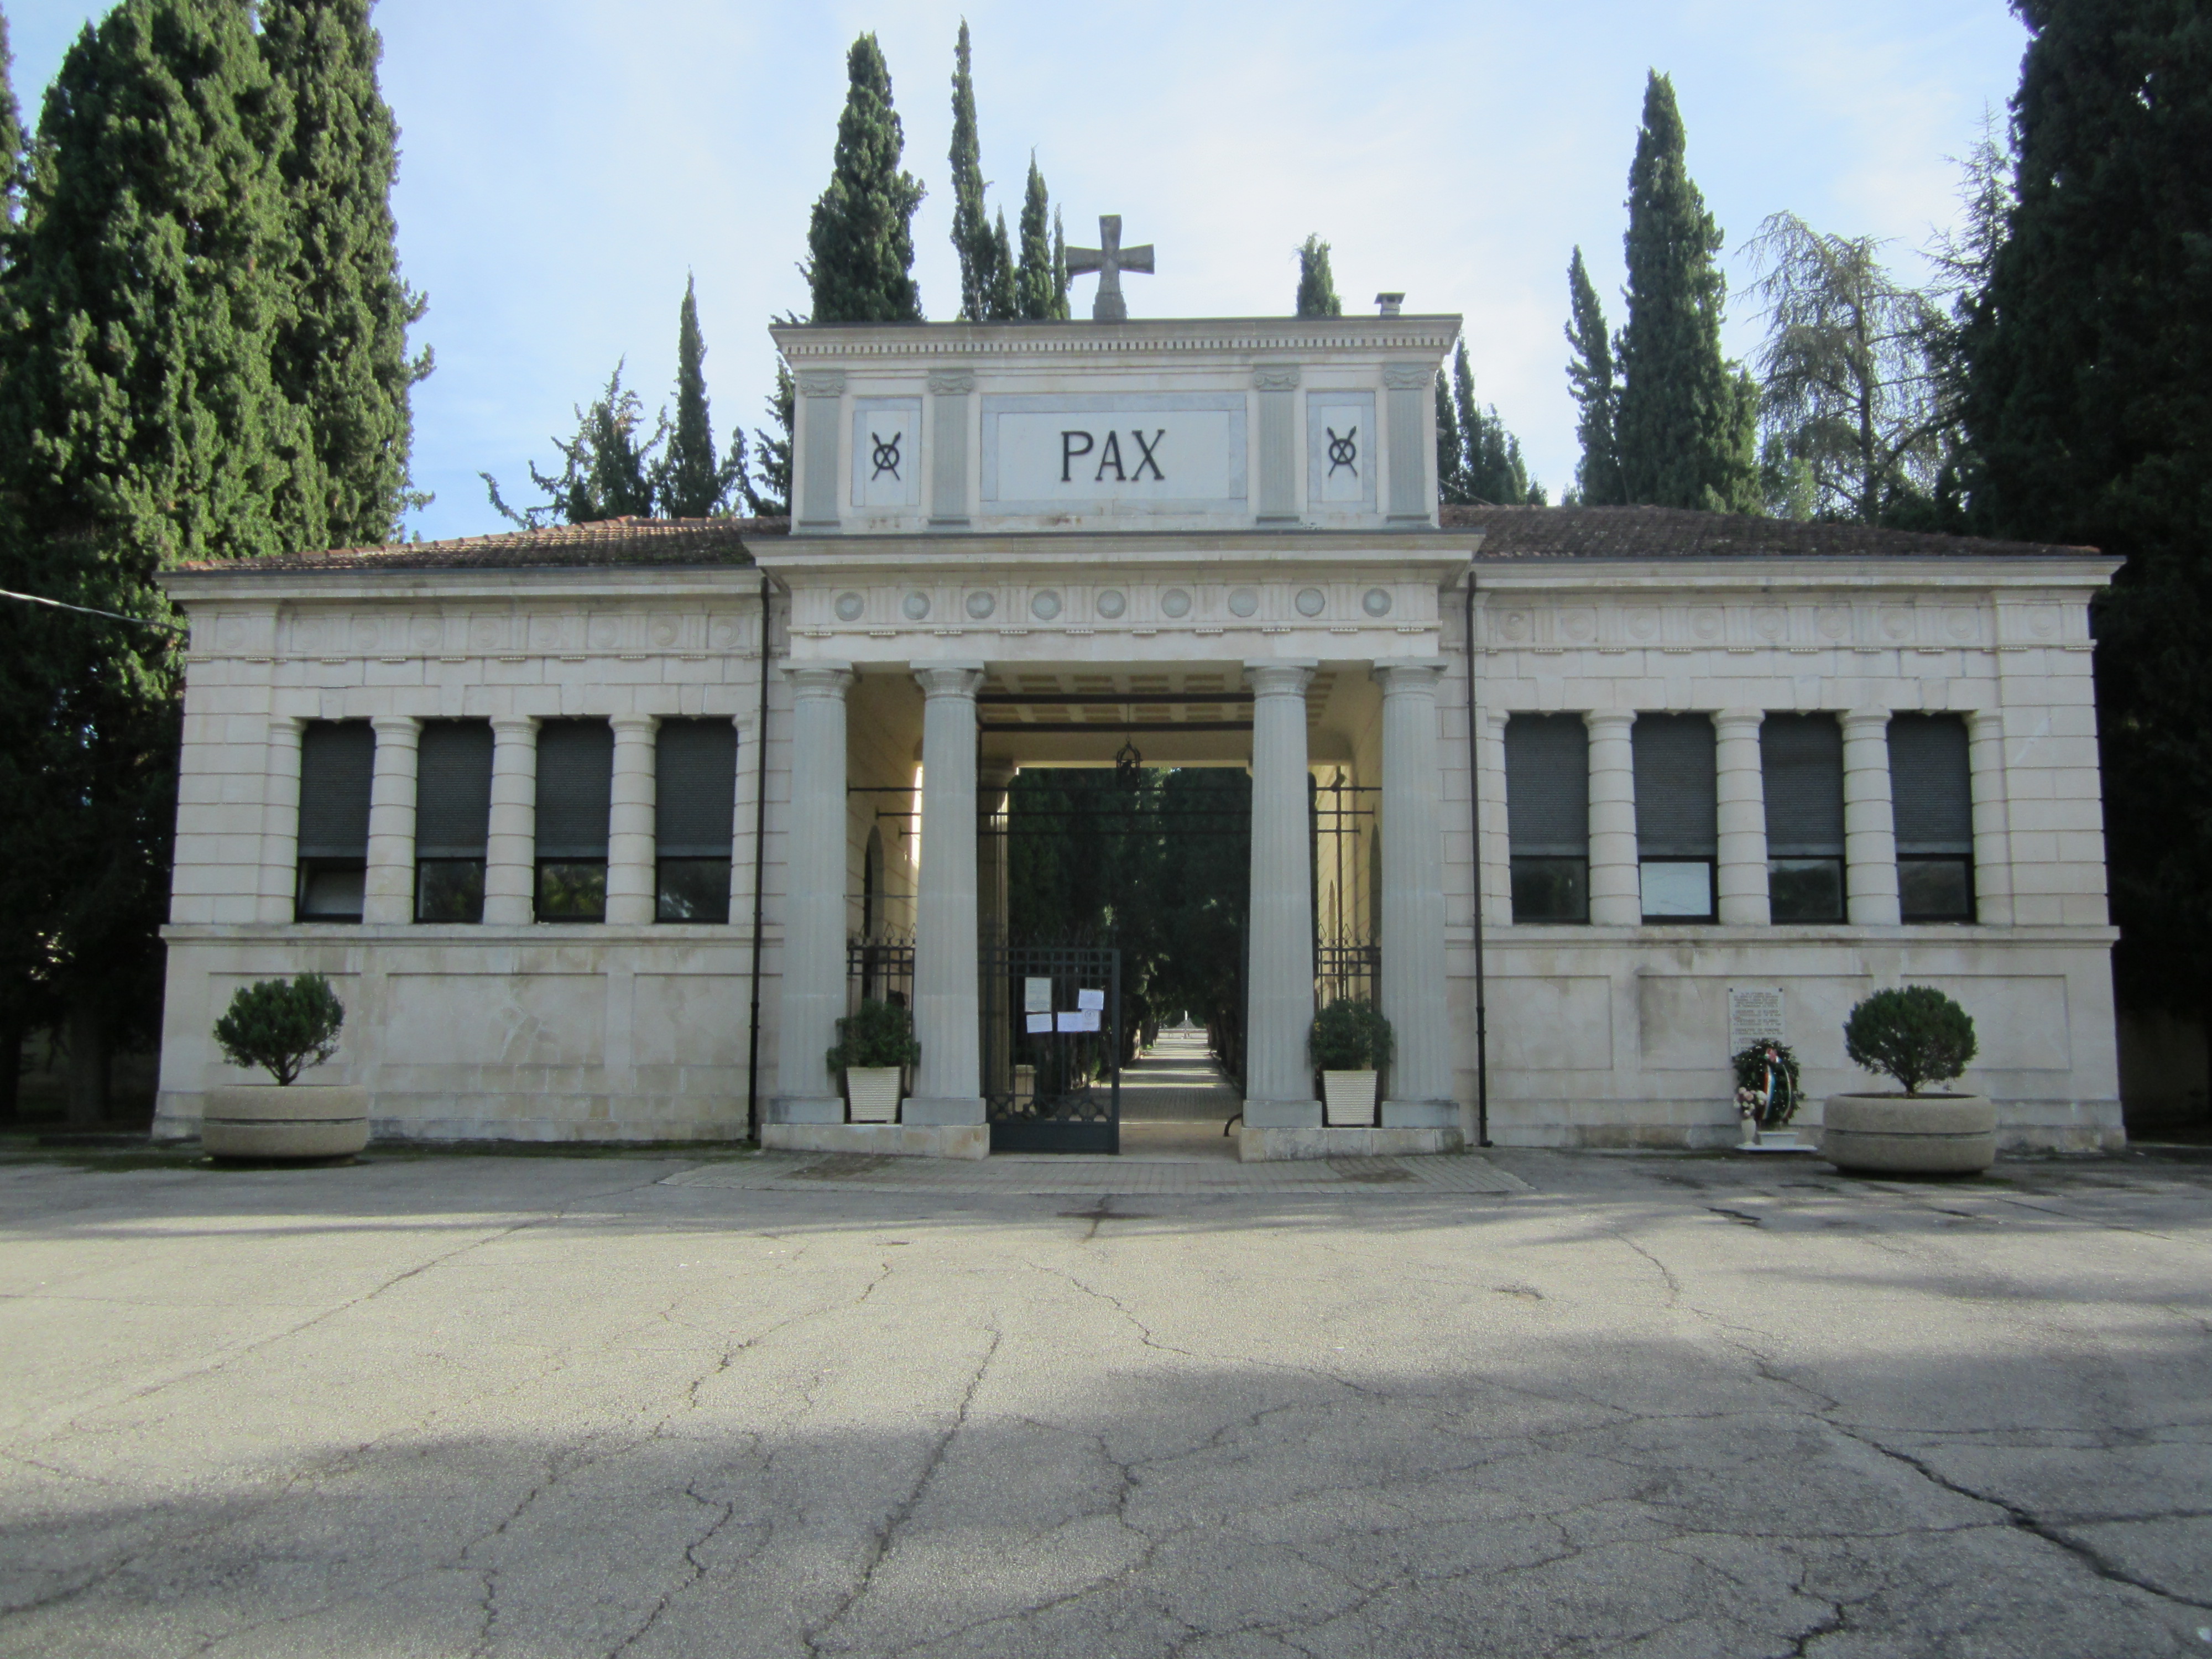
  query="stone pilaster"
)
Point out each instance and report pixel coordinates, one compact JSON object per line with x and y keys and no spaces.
{"x":948,"y":1084}
{"x":814,"y":972}
{"x":1742,"y":883}
{"x":1985,"y":761}
{"x":1279,"y":984}
{"x":1869,"y":825}
{"x":633,"y":883}
{"x":1277,"y":386}
{"x":511,"y":838}
{"x":1616,"y":889}
{"x":280,"y":823}
{"x":388,"y":891}
{"x":1413,"y":965}
{"x":949,"y":391}
{"x":1496,"y":852}
{"x":820,"y":486}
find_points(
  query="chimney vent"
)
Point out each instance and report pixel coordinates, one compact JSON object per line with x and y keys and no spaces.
{"x":1392,"y":304}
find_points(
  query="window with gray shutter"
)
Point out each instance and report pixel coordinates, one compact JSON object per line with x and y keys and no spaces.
{"x":1932,"y":797}
{"x":1801,"y":759}
{"x":1548,"y":816}
{"x":452,"y":818}
{"x":695,"y":784}
{"x":337,"y":763}
{"x":575,"y":790}
{"x":1677,"y":814}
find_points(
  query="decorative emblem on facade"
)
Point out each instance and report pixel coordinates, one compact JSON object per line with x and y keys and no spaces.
{"x":1312,"y":602}
{"x":916,"y":606}
{"x":981,"y":606}
{"x":1343,"y":452}
{"x":849,"y":607}
{"x":1376,"y":602}
{"x":886,"y":456}
{"x":1112,"y":602}
{"x":1175,"y":603}
{"x":1243,"y":602}
{"x":1044,"y":606}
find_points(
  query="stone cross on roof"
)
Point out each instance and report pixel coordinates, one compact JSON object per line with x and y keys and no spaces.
{"x":1110,"y":260}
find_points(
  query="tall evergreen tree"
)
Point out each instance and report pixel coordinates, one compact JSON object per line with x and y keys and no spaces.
{"x":2090,"y":404}
{"x":690,"y":481}
{"x":24,"y":901}
{"x":1034,"y":285}
{"x":608,"y":469}
{"x":140,"y":425}
{"x":11,"y":146}
{"x":860,"y":239}
{"x":1059,"y":269}
{"x":341,"y":352}
{"x":971,"y":225}
{"x":1590,"y":373}
{"x":1677,"y":431}
{"x":1005,"y":303}
{"x":1469,"y":422}
{"x":768,"y":487}
{"x":1316,"y":284}
{"x":1451,"y":455}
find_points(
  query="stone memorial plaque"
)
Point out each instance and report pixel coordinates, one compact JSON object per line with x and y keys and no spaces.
{"x":1340,"y":448}
{"x":1754,"y":1016}
{"x":887,"y":452}
{"x":1135,"y":450}
{"x":1037,"y":996}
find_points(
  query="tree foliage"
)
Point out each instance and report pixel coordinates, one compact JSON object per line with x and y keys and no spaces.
{"x":690,"y":481}
{"x":1041,"y":284}
{"x":1596,"y":393}
{"x":860,"y":239}
{"x":282,"y":1026}
{"x":1683,"y":432}
{"x":1316,"y":283}
{"x":607,"y":469}
{"x":1913,"y":1033}
{"x":1478,"y":461}
{"x":971,"y":224}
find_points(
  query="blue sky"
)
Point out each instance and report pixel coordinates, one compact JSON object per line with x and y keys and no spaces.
{"x":566,"y":162}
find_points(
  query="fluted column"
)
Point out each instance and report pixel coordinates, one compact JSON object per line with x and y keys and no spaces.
{"x":388,"y":889}
{"x":948,"y":1084}
{"x":1742,"y":817}
{"x":631,"y":881}
{"x":814,"y":972}
{"x":1986,"y":763}
{"x":1869,"y":825}
{"x":1616,"y":891}
{"x":1414,"y":998}
{"x":280,"y":823}
{"x":510,"y":837}
{"x":1279,"y":984}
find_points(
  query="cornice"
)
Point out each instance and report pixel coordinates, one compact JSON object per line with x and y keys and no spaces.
{"x":1172,"y":337}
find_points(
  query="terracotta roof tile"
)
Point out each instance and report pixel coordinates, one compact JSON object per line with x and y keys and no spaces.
{"x":608,"y":541}
{"x":1660,"y":532}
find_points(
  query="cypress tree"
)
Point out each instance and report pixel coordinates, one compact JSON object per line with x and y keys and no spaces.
{"x":1316,"y":284}
{"x":971,"y":228}
{"x":1004,"y":301}
{"x":1034,"y":286}
{"x":1451,"y":458}
{"x":11,"y":169}
{"x":1677,"y":431}
{"x":768,"y":488}
{"x":690,"y":481}
{"x":341,"y":352}
{"x":1469,"y":423}
{"x":1590,"y":373}
{"x":2089,"y":402}
{"x":1059,"y":269}
{"x":860,"y":239}
{"x":23,"y":901}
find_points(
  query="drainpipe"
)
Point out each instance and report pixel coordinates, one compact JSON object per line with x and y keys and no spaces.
{"x":1474,"y":821}
{"x":760,"y":866}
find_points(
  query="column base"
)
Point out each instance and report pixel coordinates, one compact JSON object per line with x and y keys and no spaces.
{"x":956,"y":1108}
{"x":971,"y":1141}
{"x":806,"y":1109}
{"x":1282,"y":1114}
{"x":1277,"y":1145}
{"x":1420,"y":1115}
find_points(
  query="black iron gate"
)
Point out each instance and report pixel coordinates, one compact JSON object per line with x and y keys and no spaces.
{"x":1052,"y":1047}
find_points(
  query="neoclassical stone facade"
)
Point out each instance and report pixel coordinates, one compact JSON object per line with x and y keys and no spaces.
{"x":564,"y":748}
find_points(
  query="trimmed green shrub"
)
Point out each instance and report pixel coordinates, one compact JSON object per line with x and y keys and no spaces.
{"x":282,"y":1025}
{"x":1914,"y":1034}
{"x":877,"y":1034}
{"x":1350,"y":1035}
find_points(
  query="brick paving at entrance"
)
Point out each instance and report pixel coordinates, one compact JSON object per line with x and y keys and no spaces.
{"x":1045,"y":1172}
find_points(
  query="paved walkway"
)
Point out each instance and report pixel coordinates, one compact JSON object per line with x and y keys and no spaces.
{"x":1174,"y":1101}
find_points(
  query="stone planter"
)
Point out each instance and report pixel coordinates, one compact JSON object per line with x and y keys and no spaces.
{"x":874,"y":1092}
{"x":1349,"y":1097}
{"x":301,"y":1120}
{"x":1910,"y":1134}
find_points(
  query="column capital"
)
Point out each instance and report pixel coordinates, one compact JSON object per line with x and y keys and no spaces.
{"x":513,"y":726}
{"x":1737,"y":718}
{"x":644,"y":725}
{"x":1864,"y":718}
{"x":818,"y":679}
{"x":405,"y":727}
{"x":1280,"y":678}
{"x":950,"y":679}
{"x":1609,"y":719}
{"x":1408,"y":678}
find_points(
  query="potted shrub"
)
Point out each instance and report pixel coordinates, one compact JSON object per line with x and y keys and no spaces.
{"x":1349,"y":1043}
{"x":1918,"y":1037}
{"x":875,"y":1043}
{"x":283,"y":1027}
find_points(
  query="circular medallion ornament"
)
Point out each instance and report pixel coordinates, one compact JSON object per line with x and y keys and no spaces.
{"x":1044,"y":606}
{"x":981,"y":606}
{"x":849,"y":607}
{"x":1112,"y":602}
{"x":1175,"y":603}
{"x":916,"y":606}
{"x":1243,"y":602}
{"x":1376,"y":602}
{"x":1310,"y":602}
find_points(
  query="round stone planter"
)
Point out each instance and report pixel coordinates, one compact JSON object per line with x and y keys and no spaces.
{"x":1349,"y":1097}
{"x":303,"y":1120}
{"x":874,"y":1092}
{"x":1910,"y":1134}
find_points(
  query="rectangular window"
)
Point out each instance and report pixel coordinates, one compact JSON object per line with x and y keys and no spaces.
{"x":452,"y":819}
{"x":1677,"y":816}
{"x":1548,"y":816}
{"x":1931,"y":790}
{"x":1801,"y":762}
{"x":575,"y":793}
{"x":695,"y":787}
{"x":338,"y":761}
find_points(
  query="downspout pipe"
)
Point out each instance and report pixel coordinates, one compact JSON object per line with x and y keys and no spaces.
{"x":1474,"y":822}
{"x":760,"y":868}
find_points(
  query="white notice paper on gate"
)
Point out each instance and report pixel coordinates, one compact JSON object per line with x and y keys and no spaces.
{"x":1040,"y":1021}
{"x":1036,"y":997}
{"x":1083,"y":1020}
{"x":1093,"y":1000}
